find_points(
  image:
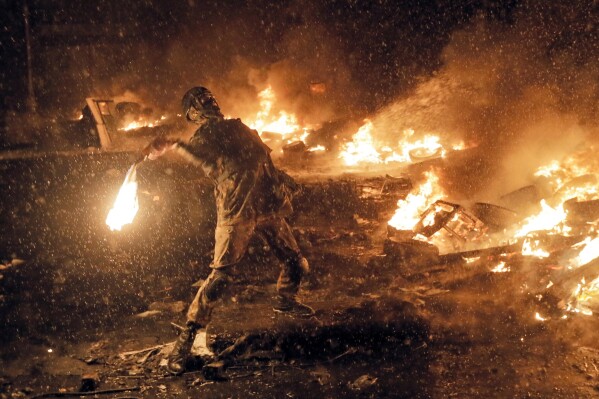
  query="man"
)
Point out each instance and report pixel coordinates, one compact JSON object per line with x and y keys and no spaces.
{"x":252,"y":197}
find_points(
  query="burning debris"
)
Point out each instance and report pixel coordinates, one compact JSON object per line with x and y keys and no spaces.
{"x":407,"y":142}
{"x":550,"y":232}
{"x":365,"y":149}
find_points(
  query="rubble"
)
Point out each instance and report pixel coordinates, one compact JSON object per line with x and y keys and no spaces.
{"x":495,"y":217}
{"x":581,"y":212}
{"x":522,"y":199}
{"x":363,"y":382}
{"x":89,"y":382}
{"x":171,"y":307}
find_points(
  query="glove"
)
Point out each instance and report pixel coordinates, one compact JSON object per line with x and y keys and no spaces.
{"x":158,"y":147}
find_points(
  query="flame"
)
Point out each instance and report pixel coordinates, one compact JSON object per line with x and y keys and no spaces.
{"x":532,"y":247}
{"x":559,"y":173}
{"x":364,"y":149}
{"x":282,"y":122}
{"x":142,"y":123}
{"x":540,"y":318}
{"x":126,"y":205}
{"x":589,"y":252}
{"x":409,"y":210}
{"x":583,"y":293}
{"x":317,"y":148}
{"x":501,"y":268}
{"x":549,"y":219}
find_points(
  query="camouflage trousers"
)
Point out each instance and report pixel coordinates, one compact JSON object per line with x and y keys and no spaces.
{"x":230,"y":246}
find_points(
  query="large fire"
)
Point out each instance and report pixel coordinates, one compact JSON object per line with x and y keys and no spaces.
{"x":410,"y":209}
{"x":548,"y":219}
{"x":365,"y":149}
{"x":281,"y":123}
{"x":569,"y":180}
{"x":126,"y":204}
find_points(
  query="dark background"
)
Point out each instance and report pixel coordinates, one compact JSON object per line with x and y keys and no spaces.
{"x":367,"y":51}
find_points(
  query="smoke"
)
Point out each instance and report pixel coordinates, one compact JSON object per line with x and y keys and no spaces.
{"x":523,"y":90}
{"x":324,"y":60}
{"x":237,"y":51}
{"x":521,"y":84}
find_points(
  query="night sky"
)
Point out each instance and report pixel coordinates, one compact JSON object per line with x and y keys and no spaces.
{"x":370,"y":51}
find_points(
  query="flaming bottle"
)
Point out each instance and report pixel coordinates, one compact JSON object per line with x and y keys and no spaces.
{"x":126,"y":204}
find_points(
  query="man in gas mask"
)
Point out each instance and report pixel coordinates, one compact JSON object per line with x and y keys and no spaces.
{"x":252,"y":197}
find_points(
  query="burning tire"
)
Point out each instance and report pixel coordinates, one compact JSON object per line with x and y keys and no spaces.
{"x":424,"y":154}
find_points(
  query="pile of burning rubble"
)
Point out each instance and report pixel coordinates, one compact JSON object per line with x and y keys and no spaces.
{"x":552,"y":223}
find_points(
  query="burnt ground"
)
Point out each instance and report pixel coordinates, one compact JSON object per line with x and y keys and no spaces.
{"x":85,"y":297}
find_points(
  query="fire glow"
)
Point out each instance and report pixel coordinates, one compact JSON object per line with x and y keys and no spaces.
{"x":589,"y":252}
{"x":141,"y":123}
{"x":126,"y":204}
{"x":365,"y":149}
{"x":532,"y":247}
{"x":283,"y":123}
{"x":583,"y":293}
{"x":500,"y":268}
{"x":549,"y":219}
{"x":409,"y":210}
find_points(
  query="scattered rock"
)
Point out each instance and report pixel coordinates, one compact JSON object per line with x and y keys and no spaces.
{"x":363,"y":382}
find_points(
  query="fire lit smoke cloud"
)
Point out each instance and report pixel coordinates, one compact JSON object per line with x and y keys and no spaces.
{"x":238,"y":51}
{"x":524,"y":91}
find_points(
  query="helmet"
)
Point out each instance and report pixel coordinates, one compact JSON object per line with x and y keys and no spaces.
{"x":199,"y":103}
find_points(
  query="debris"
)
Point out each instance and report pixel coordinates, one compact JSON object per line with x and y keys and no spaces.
{"x":582,"y":211}
{"x":424,"y":291}
{"x":200,"y":382}
{"x":145,"y":358}
{"x":12,"y":263}
{"x":392,"y":184}
{"x":214,"y":371}
{"x":89,"y":382}
{"x":363,"y":382}
{"x":481,"y":253}
{"x":494,"y":216}
{"x":399,"y":235}
{"x":453,"y":221}
{"x":412,"y":252}
{"x":321,"y":375}
{"x":173,"y":307}
{"x":425,"y":154}
{"x":294,"y":148}
{"x":123,"y":355}
{"x":522,"y":199}
{"x":148,"y":313}
{"x":200,"y":345}
{"x":90,"y":393}
{"x":177,"y":327}
{"x":135,"y":370}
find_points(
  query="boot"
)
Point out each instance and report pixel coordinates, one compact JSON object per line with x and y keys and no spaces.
{"x":178,"y":357}
{"x":292,"y":307}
